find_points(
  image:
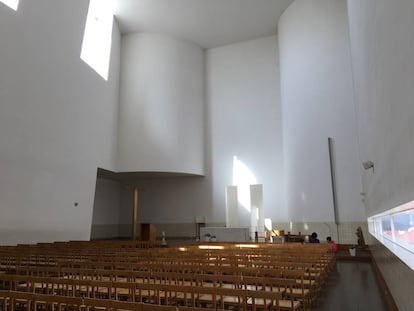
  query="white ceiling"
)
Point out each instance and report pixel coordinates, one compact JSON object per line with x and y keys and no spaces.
{"x":208,"y":23}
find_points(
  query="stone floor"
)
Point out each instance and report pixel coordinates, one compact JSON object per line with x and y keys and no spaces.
{"x":352,"y":287}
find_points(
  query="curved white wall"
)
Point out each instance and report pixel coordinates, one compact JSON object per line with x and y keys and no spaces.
{"x":317,"y":103}
{"x":243,"y":114}
{"x":161,"y":125}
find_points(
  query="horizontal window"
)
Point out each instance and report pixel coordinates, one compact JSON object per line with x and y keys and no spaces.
{"x":395,"y":229}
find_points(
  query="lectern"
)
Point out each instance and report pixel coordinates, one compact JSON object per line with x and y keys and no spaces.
{"x":148,"y":233}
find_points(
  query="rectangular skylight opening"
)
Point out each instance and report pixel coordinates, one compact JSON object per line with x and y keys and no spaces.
{"x":97,"y":39}
{"x":13,"y":4}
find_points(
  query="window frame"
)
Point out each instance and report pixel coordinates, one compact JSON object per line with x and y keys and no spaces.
{"x":403,"y":250}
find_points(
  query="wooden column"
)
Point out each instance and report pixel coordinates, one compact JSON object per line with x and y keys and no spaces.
{"x":134,"y":213}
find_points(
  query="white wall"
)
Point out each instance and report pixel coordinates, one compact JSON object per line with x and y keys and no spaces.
{"x":107,"y":202}
{"x":58,"y":122}
{"x":175,"y":200}
{"x":382,"y":49}
{"x":106,"y":209}
{"x":161,"y":105}
{"x":382,"y":55}
{"x":317,"y":103}
{"x":243,"y":119}
{"x":244,"y":116}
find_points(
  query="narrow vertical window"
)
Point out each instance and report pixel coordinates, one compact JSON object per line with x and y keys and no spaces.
{"x":13,"y":4}
{"x":96,"y":46}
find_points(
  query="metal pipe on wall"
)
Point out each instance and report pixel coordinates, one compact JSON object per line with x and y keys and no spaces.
{"x":333,"y":183}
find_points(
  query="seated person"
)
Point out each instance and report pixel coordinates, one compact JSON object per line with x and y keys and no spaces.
{"x":333,"y":244}
{"x":314,"y":238}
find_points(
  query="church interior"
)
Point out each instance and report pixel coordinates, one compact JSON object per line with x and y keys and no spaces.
{"x":226,"y":131}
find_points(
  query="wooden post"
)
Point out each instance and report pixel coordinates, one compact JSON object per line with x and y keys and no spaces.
{"x":134,"y":213}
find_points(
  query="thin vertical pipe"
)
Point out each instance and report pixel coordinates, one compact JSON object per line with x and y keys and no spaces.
{"x":333,"y":183}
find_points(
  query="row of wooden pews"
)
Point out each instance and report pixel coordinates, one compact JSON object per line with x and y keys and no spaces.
{"x":14,"y":301}
{"x":216,"y":276}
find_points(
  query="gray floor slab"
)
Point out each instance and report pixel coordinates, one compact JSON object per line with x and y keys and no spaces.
{"x":351,"y":287}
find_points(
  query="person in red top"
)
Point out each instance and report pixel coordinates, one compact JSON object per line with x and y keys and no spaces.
{"x":333,"y":244}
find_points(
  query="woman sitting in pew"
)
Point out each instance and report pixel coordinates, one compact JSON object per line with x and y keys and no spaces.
{"x":333,"y":244}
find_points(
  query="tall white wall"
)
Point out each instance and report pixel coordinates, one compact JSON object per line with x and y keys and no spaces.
{"x":382,"y":55}
{"x":317,"y":103}
{"x":161,"y":105}
{"x":58,"y":122}
{"x":382,"y":49}
{"x":243,"y":120}
{"x":244,"y":114}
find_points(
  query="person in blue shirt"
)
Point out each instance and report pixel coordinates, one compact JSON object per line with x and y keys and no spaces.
{"x":314,"y":238}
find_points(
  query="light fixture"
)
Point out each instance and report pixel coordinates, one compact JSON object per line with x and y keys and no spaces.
{"x":368,"y":164}
{"x":247,"y":245}
{"x":211,"y":247}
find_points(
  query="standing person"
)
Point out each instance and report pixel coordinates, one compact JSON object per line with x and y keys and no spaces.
{"x":333,"y":244}
{"x":314,"y":238}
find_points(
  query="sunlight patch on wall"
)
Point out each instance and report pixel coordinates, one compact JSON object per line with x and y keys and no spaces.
{"x":13,"y":4}
{"x":268,"y":224}
{"x":243,"y":178}
{"x":97,"y":39}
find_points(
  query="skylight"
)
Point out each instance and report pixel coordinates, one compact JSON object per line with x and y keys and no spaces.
{"x":13,"y":4}
{"x":96,"y":47}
